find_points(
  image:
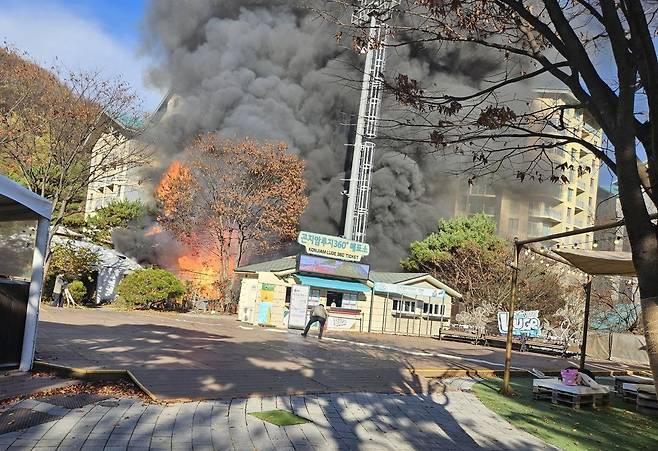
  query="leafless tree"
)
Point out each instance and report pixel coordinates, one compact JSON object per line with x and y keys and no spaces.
{"x":61,"y":131}
{"x":601,"y":52}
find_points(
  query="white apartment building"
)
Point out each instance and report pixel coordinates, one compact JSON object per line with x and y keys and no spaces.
{"x":532,"y":209}
{"x":123,"y":183}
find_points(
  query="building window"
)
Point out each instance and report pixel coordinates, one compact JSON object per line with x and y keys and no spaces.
{"x":404,"y":306}
{"x":334,"y":299}
{"x":481,"y":189}
{"x":590,"y":203}
{"x":570,"y":195}
{"x":433,"y":309}
{"x":482,"y":205}
{"x":574,"y":153}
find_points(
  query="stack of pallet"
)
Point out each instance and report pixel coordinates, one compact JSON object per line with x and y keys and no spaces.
{"x":574,"y":396}
{"x":646,"y":399}
{"x":621,"y":380}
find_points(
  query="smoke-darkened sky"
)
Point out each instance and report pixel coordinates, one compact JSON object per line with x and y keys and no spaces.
{"x":265,"y":69}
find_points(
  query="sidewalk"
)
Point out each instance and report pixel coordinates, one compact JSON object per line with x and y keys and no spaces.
{"x":453,"y":420}
{"x":17,"y":383}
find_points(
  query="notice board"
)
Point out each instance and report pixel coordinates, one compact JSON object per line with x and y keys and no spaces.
{"x":298,"y":306}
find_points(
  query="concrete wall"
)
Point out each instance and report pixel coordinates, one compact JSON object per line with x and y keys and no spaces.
{"x":251,"y":297}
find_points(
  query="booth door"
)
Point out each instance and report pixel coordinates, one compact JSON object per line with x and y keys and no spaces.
{"x":13,"y":307}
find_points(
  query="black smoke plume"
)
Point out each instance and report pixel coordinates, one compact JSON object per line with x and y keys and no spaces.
{"x":272,"y":70}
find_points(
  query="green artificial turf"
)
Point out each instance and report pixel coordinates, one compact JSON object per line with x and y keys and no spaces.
{"x":280,"y":417}
{"x":618,"y":427}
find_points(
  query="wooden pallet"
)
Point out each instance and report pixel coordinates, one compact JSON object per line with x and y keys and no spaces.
{"x":629,"y":395}
{"x":621,"y":380}
{"x":542,"y":393}
{"x":596,"y":400}
{"x":646,"y":401}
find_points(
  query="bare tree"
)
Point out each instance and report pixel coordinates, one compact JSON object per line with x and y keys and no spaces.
{"x":60,"y":131}
{"x":614,"y":305}
{"x":601,"y":52}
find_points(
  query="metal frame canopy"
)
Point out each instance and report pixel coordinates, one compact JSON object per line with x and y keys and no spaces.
{"x":589,"y":262}
{"x":19,"y":204}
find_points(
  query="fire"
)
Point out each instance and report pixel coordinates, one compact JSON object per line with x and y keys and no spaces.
{"x":153,"y":230}
{"x":198,"y":260}
{"x":202,"y":272}
{"x":173,"y":186}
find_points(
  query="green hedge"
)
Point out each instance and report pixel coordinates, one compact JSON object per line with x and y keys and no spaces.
{"x":146,"y":288}
{"x":78,"y":291}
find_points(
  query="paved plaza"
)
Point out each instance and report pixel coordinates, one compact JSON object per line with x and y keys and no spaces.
{"x":196,"y":357}
{"x":454,"y":420}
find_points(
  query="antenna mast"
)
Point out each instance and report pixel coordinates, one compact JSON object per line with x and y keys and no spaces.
{"x":372,"y":14}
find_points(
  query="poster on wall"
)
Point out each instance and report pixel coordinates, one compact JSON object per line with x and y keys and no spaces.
{"x":341,"y":323}
{"x":265,"y":313}
{"x":331,"y":267}
{"x":266,"y":292}
{"x":525,"y":323}
{"x":298,"y":304}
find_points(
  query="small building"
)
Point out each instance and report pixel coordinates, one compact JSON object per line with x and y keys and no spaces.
{"x":111,"y":267}
{"x":371,"y":301}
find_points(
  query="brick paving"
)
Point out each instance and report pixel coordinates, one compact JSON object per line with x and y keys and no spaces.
{"x":195,"y":357}
{"x":453,"y":420}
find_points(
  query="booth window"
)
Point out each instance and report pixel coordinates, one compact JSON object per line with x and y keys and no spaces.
{"x":349,"y":300}
{"x":313,"y":298}
{"x":434,"y":309}
{"x":404,"y":306}
{"x":334,"y":299}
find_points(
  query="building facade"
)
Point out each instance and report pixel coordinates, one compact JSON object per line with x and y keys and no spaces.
{"x":355,"y":305}
{"x":531,"y":209}
{"x":123,"y":183}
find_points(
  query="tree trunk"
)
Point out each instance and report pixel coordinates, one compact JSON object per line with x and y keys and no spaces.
{"x":650,"y":322}
{"x":643,"y":237}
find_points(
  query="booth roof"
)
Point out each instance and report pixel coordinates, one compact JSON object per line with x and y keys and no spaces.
{"x":278,"y":265}
{"x":395,"y":277}
{"x":18,"y":203}
{"x":289,"y":264}
{"x":604,"y":263}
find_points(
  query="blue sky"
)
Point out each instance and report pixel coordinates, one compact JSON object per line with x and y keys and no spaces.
{"x":82,"y":34}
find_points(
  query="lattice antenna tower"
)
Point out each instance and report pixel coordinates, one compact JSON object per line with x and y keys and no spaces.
{"x":372,"y":14}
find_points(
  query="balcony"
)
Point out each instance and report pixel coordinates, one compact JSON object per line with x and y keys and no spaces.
{"x":546,"y":214}
{"x":579,"y":224}
{"x":536,"y":230}
{"x":581,"y":205}
{"x":583,"y":186}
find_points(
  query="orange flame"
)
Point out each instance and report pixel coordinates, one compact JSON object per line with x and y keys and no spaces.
{"x":202,"y":272}
{"x":198,"y":264}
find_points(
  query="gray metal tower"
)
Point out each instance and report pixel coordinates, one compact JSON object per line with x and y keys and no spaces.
{"x":373,"y":14}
